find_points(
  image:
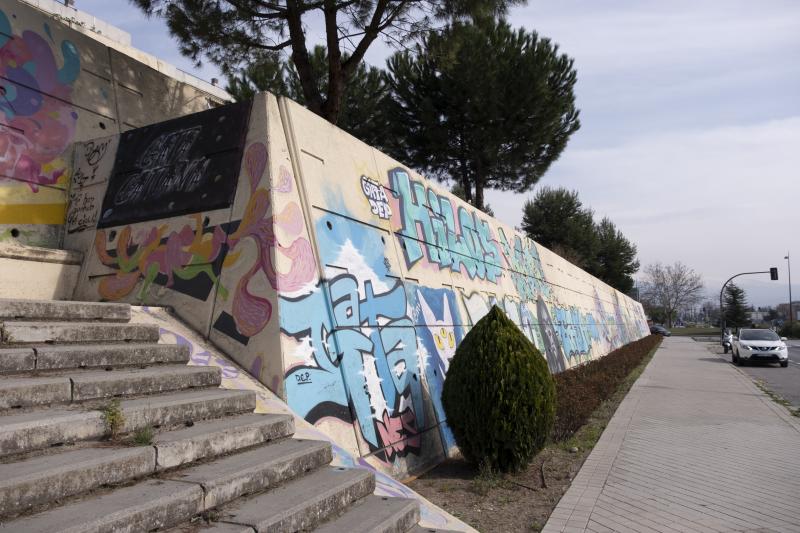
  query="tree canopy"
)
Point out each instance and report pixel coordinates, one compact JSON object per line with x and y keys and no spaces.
{"x":557,"y":219}
{"x":234,"y":33}
{"x":481,"y":104}
{"x":668,"y":289}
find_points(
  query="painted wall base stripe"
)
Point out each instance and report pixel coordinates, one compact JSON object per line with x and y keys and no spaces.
{"x":32,"y":213}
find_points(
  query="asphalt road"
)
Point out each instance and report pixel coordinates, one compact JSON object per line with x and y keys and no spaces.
{"x":784,"y":382}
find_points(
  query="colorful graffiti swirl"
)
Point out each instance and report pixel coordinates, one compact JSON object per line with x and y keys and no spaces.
{"x":35,"y":103}
{"x":175,"y":260}
{"x":252,"y":312}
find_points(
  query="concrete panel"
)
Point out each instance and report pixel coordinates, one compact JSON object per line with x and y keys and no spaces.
{"x":146,"y":96}
{"x":269,"y":247}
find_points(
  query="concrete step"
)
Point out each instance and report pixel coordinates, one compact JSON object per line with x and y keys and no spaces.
{"x":48,"y":478}
{"x":129,"y":382}
{"x":375,"y":514}
{"x":162,"y":503}
{"x":421,"y":529}
{"x":17,"y":360}
{"x":147,"y":506}
{"x":25,"y":391}
{"x":213,"y":438}
{"x":42,"y":428}
{"x":226,"y":479}
{"x":302,"y":503}
{"x":50,"y":357}
{"x":52,"y":332}
{"x":63,"y":310}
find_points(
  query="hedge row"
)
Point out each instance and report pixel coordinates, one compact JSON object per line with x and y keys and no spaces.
{"x":581,"y":390}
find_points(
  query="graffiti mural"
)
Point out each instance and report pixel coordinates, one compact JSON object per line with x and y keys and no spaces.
{"x":367,"y":362}
{"x":524,"y":266}
{"x":346,"y":286}
{"x":38,"y":120}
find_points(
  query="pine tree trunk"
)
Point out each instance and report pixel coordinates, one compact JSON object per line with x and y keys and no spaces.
{"x":478,"y":186}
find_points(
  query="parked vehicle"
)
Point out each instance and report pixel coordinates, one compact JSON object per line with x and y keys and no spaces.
{"x":727,"y":340}
{"x":659,"y":330}
{"x":753,"y":345}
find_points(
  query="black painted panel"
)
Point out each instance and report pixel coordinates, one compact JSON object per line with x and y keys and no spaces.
{"x":185,"y":165}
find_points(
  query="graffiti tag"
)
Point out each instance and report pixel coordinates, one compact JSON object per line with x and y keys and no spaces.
{"x":378,"y":201}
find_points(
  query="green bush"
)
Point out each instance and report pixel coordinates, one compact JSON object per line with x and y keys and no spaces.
{"x":790,"y":330}
{"x":581,"y":390}
{"x":499,"y":396}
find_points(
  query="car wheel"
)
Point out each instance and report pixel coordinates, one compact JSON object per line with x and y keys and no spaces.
{"x":784,"y":364}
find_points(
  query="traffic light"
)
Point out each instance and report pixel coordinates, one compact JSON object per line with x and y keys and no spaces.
{"x":773,"y":273}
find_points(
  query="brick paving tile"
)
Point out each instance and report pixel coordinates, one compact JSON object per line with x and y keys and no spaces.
{"x":694,"y":447}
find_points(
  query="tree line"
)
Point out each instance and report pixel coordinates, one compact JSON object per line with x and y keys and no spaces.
{"x":466,"y":98}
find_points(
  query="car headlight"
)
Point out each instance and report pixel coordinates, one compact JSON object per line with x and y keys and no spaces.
{"x":746,"y":347}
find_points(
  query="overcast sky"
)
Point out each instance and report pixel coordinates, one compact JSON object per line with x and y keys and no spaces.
{"x":690,"y":138}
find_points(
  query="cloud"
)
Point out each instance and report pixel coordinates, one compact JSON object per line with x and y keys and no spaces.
{"x":722,"y":200}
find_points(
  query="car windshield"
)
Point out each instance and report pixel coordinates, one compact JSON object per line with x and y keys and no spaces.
{"x":758,"y":335}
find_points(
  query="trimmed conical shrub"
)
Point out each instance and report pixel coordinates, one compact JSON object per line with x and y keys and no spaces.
{"x":499,"y":396}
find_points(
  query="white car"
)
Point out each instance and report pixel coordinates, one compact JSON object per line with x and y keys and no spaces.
{"x":765,"y":345}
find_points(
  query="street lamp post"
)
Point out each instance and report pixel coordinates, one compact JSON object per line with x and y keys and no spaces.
{"x":789,"y":267}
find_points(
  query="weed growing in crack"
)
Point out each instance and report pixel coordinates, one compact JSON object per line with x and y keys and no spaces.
{"x":113,"y":417}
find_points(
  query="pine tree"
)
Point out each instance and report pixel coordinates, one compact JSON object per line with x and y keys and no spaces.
{"x":616,"y":257}
{"x":735,"y":307}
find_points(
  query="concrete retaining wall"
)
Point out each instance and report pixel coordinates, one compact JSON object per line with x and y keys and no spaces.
{"x":338,"y":277}
{"x":37,"y":273}
{"x":64,"y":82}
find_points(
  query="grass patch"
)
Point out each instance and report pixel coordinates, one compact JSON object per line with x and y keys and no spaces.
{"x":143,"y":436}
{"x":777,"y":398}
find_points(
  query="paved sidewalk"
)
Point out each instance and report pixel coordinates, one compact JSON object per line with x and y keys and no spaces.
{"x":694,"y":446}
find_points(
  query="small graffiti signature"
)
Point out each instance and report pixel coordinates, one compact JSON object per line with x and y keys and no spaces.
{"x":378,"y":201}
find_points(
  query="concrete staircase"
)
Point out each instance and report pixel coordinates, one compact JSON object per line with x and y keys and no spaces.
{"x":104,"y":429}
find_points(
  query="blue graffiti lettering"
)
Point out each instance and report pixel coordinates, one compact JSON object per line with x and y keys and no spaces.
{"x":428,"y":220}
